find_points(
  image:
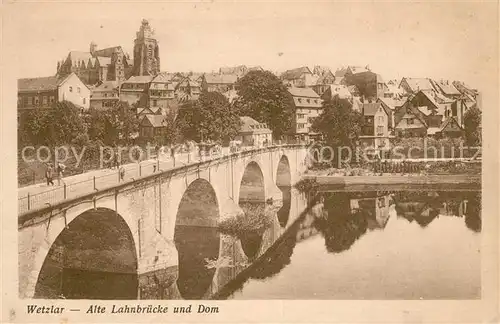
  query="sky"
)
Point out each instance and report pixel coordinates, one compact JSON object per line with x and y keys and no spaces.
{"x":442,"y":40}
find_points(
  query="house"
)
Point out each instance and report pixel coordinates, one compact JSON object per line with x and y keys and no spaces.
{"x":391,"y":104}
{"x":218,"y":82}
{"x":325,"y":78}
{"x":409,"y":121}
{"x":151,"y":126}
{"x":413,"y":85}
{"x":105,"y":95}
{"x":253,"y":133}
{"x":43,"y":92}
{"x":135,"y":90}
{"x":308,"y":106}
{"x":161,"y":92}
{"x":381,"y":86}
{"x":375,"y":129}
{"x":337,"y":90}
{"x":187,"y":89}
{"x":300,"y":77}
{"x":366,"y":81}
{"x":450,"y":128}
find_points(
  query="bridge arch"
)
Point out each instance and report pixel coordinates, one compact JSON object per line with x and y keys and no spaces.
{"x":196,"y":238}
{"x":252,"y":200}
{"x":93,"y":257}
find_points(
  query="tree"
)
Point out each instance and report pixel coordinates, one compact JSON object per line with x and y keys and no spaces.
{"x":472,"y":125}
{"x":123,"y":123}
{"x":211,"y":117}
{"x":262,"y":96}
{"x":339,"y":123}
{"x":63,"y":124}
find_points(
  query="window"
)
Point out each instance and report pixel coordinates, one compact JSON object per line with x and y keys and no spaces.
{"x":300,"y":126}
{"x":78,"y":89}
{"x":380,"y":130}
{"x":44,"y":100}
{"x":84,"y":101}
{"x":410,"y":121}
{"x":105,"y":94}
{"x":52,"y":98}
{"x":301,"y":115}
{"x":154,"y":103}
{"x":70,"y":89}
{"x":380,"y":119}
{"x":308,"y":100}
{"x":36,"y":101}
{"x":299,"y":99}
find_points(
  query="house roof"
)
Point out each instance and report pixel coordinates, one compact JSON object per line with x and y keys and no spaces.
{"x":107,"y":86}
{"x":357,"y":69}
{"x":295,"y":73}
{"x":140,"y":79}
{"x":433,"y":130}
{"x":341,"y":90}
{"x":321,"y":70}
{"x":155,"y":120}
{"x":447,"y":121}
{"x":322,"y":78}
{"x":392,"y":103}
{"x":250,"y":125}
{"x":41,"y":84}
{"x":303,"y":92}
{"x":221,"y":78}
{"x":447,"y":87}
{"x":255,"y":68}
{"x":340,"y":73}
{"x":417,"y":84}
{"x":370,"y":108}
{"x":425,"y":110}
{"x":240,"y":69}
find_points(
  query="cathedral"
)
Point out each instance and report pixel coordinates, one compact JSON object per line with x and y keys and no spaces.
{"x":112,"y":64}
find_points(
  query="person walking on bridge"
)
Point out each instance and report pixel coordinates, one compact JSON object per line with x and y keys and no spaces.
{"x":60,"y":170}
{"x":49,"y":173}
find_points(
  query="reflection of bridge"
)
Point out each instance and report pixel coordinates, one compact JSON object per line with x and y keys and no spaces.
{"x":136,"y":227}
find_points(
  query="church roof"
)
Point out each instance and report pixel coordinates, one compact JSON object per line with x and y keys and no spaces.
{"x":104,"y":61}
{"x":40,"y":84}
{"x":108,"y":52}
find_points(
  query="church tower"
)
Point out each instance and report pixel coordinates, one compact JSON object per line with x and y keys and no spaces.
{"x":146,"y":52}
{"x":118,"y":65}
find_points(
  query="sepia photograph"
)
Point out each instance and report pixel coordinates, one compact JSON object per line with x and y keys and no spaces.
{"x":216,"y":151}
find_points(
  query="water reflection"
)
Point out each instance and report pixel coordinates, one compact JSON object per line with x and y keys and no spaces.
{"x":284,"y":211}
{"x":422,"y":264}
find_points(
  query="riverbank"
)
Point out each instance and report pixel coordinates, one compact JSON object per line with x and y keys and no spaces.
{"x":393,"y":182}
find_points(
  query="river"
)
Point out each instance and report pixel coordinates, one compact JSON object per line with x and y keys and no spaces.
{"x":375,"y":245}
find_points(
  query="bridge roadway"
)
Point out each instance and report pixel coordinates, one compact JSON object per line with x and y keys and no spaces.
{"x":41,"y":195}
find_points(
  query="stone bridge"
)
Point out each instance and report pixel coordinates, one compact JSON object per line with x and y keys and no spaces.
{"x":161,"y":226}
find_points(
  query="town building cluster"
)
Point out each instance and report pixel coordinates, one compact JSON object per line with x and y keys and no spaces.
{"x":99,"y":78}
